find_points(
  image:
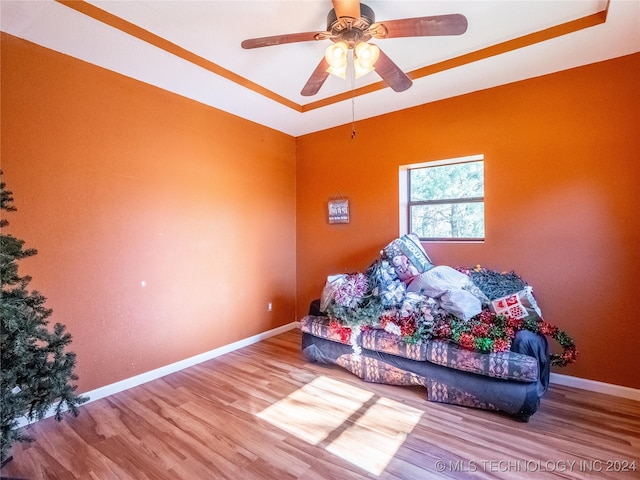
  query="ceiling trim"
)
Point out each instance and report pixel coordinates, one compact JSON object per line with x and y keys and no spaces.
{"x":164,"y":44}
{"x":129,"y":28}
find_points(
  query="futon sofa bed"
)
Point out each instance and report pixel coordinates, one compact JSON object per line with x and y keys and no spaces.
{"x":393,"y":346}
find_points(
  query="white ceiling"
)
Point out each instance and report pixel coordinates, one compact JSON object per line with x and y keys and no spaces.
{"x":213,"y":31}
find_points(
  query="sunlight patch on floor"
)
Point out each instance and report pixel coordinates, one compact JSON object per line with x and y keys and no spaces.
{"x":350,"y":422}
{"x":377,"y":435}
{"x":315,"y":410}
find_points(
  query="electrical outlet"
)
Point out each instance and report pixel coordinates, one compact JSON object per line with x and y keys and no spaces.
{"x":269,"y":306}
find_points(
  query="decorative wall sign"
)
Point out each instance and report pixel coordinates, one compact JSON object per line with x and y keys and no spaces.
{"x":339,"y":211}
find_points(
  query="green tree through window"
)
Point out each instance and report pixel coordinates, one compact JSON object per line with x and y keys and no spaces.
{"x":446,"y":202}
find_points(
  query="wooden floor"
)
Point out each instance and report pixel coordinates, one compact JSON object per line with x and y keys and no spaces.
{"x":263,"y":412}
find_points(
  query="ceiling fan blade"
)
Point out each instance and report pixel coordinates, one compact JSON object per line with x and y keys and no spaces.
{"x":452,"y":24}
{"x":391,"y":73}
{"x":316,"y":79}
{"x":281,"y":39}
{"x":347,"y":8}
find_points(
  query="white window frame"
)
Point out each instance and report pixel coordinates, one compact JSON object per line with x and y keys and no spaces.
{"x":403,"y":176}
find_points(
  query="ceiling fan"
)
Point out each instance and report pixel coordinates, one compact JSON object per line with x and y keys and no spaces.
{"x":350,"y":25}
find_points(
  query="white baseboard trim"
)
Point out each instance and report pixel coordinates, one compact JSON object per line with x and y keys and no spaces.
{"x":131,"y":382}
{"x":594,"y":386}
{"x":182,"y":364}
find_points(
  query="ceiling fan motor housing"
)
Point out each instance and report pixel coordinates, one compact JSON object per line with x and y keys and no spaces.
{"x":351,"y":30}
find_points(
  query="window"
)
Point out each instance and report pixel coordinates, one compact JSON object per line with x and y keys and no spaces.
{"x":444,"y":200}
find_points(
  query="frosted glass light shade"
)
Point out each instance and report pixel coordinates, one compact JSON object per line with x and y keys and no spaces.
{"x":366,"y":55}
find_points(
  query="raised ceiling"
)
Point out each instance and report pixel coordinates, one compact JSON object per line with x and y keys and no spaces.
{"x":193,"y":48}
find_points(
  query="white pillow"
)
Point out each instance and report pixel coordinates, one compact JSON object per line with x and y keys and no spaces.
{"x":437,"y":281}
{"x":461,"y":303}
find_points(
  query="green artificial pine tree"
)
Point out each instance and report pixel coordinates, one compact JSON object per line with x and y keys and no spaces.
{"x":36,"y":372}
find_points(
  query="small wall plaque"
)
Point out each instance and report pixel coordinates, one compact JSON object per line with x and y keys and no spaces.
{"x":339,"y":211}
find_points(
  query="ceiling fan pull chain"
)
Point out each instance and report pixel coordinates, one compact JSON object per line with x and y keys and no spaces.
{"x":353,"y":118}
{"x":353,"y":106}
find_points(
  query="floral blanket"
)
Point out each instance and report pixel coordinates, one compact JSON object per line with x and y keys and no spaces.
{"x":405,"y":294}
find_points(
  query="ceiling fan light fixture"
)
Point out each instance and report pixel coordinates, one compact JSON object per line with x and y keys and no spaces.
{"x":360,"y":70}
{"x":367,"y":53}
{"x":336,"y":56}
{"x":366,"y":56}
{"x":338,"y":71}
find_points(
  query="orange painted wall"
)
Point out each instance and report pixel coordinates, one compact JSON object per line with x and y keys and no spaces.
{"x":119,"y":183}
{"x":562,"y":188}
